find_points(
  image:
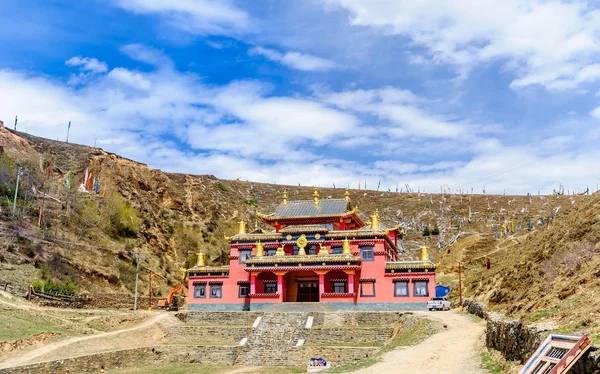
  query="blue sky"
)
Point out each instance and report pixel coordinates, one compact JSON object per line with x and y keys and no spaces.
{"x":462,"y":93}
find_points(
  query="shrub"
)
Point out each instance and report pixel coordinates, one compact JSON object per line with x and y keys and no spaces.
{"x":426,"y":231}
{"x":51,"y":286}
{"x":436,"y":230}
{"x":119,"y":217}
{"x":221,"y":186}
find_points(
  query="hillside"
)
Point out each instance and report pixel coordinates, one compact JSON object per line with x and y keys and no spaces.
{"x":91,"y":238}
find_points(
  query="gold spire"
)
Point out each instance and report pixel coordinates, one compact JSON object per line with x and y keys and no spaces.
{"x":285,"y":197}
{"x":241,"y":227}
{"x":346,"y":247}
{"x":424,"y":253}
{"x":200,"y":262}
{"x":280,"y":251}
{"x":316,"y":196}
{"x":323,"y":250}
{"x":260,"y":250}
{"x":347,"y":195}
{"x":375,"y":220}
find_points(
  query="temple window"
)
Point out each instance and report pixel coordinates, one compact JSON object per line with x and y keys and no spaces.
{"x":401,"y":289}
{"x":367,"y":288}
{"x":339,"y":287}
{"x":421,"y":288}
{"x":311,"y":250}
{"x":244,"y":255}
{"x":271,"y":287}
{"x":243,"y":290}
{"x":367,"y":254}
{"x":296,"y":249}
{"x":199,"y":291}
{"x":216,"y":291}
{"x":336,"y":250}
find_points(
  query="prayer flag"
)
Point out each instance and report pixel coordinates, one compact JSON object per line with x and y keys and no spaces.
{"x":69,"y":180}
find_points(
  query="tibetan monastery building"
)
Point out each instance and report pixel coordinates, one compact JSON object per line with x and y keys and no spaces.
{"x":316,"y":251}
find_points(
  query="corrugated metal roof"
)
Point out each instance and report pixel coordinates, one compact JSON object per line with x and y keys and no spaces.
{"x":307,"y":208}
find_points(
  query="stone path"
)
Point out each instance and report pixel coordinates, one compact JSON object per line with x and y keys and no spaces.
{"x":455,"y":350}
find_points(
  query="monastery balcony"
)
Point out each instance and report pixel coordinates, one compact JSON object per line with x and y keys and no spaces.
{"x":265,"y":295}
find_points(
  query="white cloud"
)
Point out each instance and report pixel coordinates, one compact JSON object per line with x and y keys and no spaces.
{"x":146,"y":54}
{"x":243,"y":130}
{"x":294,"y":60}
{"x":87,"y":64}
{"x":596,"y":112}
{"x":194,"y":16}
{"x":550,"y":43}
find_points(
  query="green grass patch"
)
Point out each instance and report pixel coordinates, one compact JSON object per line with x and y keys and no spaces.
{"x":488,"y":363}
{"x":345,"y":344}
{"x":16,"y":324}
{"x":412,"y":335}
{"x":176,"y":368}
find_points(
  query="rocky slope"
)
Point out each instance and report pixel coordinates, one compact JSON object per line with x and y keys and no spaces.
{"x":177,"y":215}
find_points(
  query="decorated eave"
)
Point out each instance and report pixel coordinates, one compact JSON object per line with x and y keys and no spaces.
{"x":305,"y":262}
{"x":208,"y":271}
{"x":360,"y":234}
{"x":269,"y":235}
{"x":284,"y":221}
{"x":303,"y":229}
{"x":403,"y":267}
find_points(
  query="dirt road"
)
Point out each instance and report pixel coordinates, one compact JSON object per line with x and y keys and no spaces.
{"x":454,"y":350}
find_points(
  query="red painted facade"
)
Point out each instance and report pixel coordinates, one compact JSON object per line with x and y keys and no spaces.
{"x":346,"y":264}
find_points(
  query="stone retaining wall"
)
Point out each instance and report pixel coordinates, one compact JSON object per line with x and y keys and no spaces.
{"x":320,"y":335}
{"x":130,"y":358}
{"x":208,"y":334}
{"x":219,"y":318}
{"x":517,"y":341}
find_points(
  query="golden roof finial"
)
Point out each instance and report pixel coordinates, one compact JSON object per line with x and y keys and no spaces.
{"x":347,"y":195}
{"x":242,"y":227}
{"x":280,"y":251}
{"x":285,"y":197}
{"x":323,"y":250}
{"x":346,"y":247}
{"x":200,"y":262}
{"x":375,"y":220}
{"x":424,"y":253}
{"x":316,"y":196}
{"x":260,"y":250}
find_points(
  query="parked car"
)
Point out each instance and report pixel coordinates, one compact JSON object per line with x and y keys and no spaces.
{"x":438,"y":303}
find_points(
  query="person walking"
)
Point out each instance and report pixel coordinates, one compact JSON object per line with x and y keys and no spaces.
{"x":488,"y":264}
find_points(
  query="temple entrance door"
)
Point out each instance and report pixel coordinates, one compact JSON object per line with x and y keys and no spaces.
{"x":308,"y":291}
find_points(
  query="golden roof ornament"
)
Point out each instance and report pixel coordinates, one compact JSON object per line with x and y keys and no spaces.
{"x":375,"y":220}
{"x":424,"y":253}
{"x":346,"y":247}
{"x":285,"y":197}
{"x":242,"y":227}
{"x":302,"y":242}
{"x":280,"y":251}
{"x":260,"y":249}
{"x":347,"y":195}
{"x":323,"y":250}
{"x":200,"y":262}
{"x":316,"y":196}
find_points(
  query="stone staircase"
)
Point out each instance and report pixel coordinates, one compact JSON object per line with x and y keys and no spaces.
{"x":298,"y":307}
{"x":273,"y":341}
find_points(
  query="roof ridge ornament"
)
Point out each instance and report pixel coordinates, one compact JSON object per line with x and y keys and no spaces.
{"x":347,"y":195}
{"x":242,"y":227}
{"x":346,"y":247}
{"x":260,"y":251}
{"x":201,"y":262}
{"x":285,"y":197}
{"x":316,"y":196}
{"x":375,"y":220}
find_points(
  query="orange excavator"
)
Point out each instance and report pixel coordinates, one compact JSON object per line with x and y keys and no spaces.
{"x":174,"y":300}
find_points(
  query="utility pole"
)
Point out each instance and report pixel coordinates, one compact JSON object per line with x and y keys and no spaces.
{"x":138,"y":257}
{"x":17,"y":190}
{"x":460,"y":285}
{"x":151,"y":275}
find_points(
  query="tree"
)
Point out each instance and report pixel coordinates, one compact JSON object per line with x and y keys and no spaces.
{"x":436,"y":230}
{"x":426,"y":231}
